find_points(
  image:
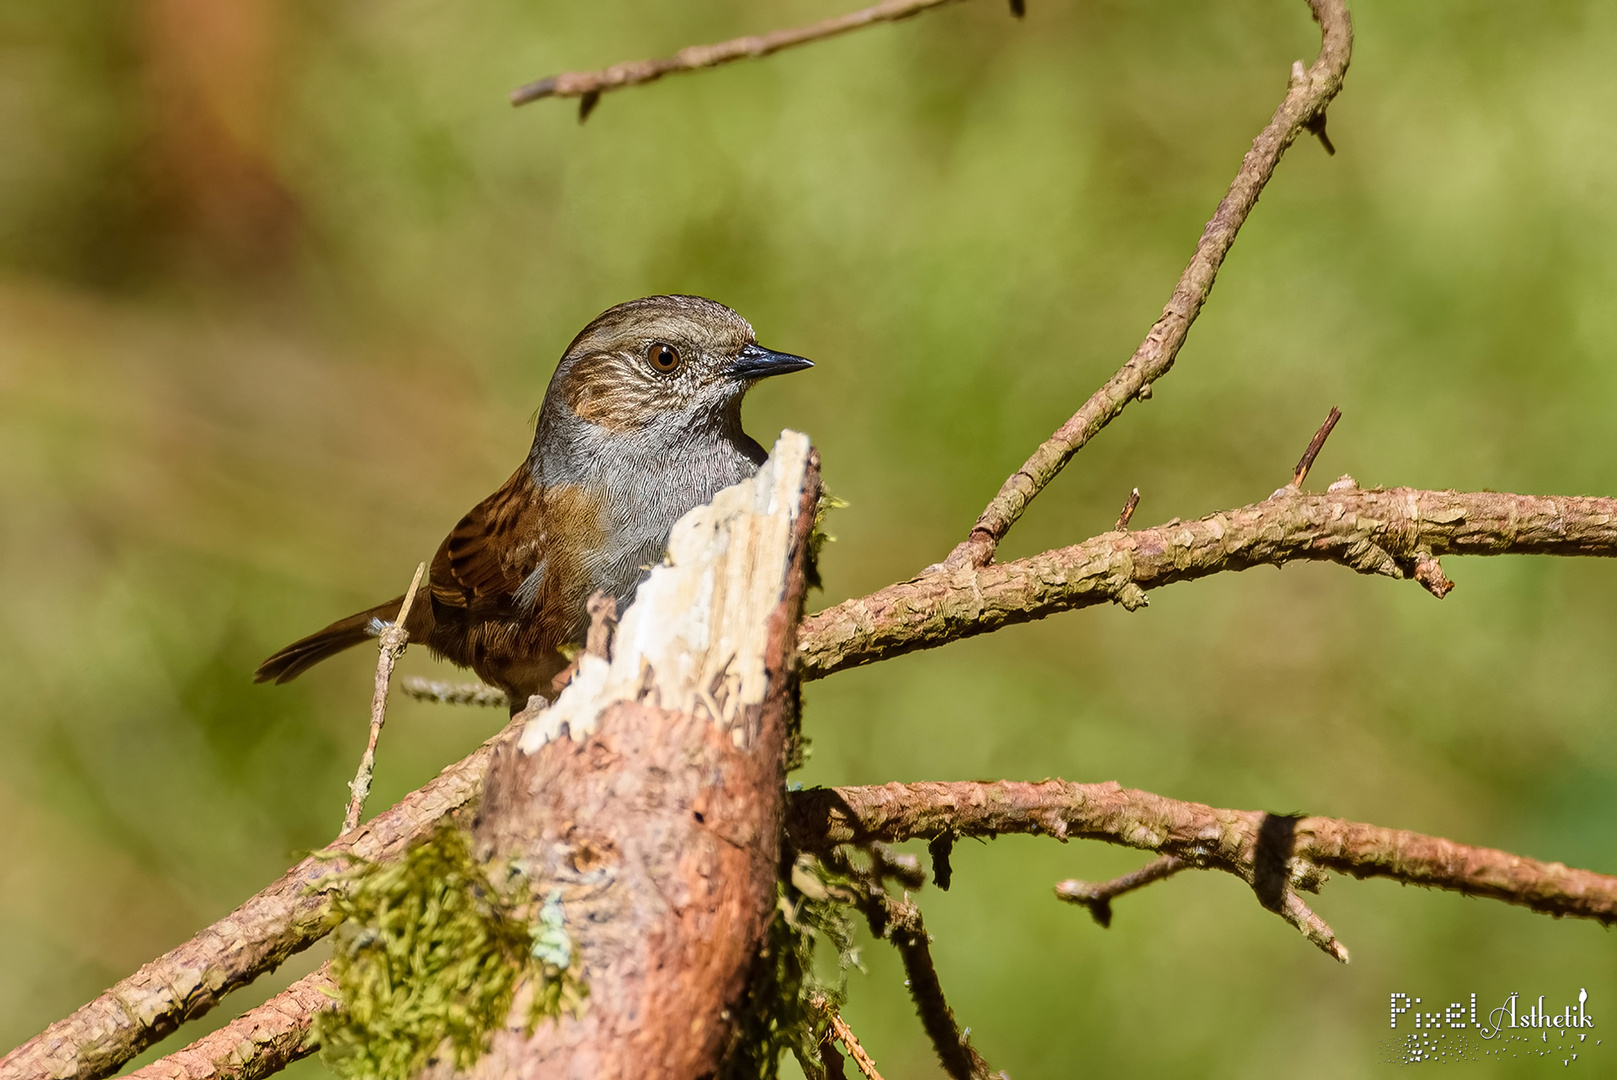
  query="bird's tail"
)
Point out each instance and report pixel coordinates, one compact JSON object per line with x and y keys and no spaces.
{"x":304,"y":653}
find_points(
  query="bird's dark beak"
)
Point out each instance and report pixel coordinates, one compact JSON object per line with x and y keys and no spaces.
{"x":757,"y":362}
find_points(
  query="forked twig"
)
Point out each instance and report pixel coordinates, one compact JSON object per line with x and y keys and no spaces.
{"x":390,"y":646}
{"x":1098,"y":898}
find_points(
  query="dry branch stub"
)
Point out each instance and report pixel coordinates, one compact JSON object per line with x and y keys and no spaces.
{"x":647,"y":801}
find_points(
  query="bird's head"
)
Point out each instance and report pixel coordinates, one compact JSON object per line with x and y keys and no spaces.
{"x":666,"y":362}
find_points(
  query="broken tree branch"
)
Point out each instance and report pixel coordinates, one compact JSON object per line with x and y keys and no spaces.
{"x":1394,"y":532}
{"x":643,"y":806}
{"x":589,"y":85}
{"x":1307,"y":96}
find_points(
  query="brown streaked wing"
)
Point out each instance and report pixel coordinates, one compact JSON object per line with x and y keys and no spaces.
{"x":493,"y":548}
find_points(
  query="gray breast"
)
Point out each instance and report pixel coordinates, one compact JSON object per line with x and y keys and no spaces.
{"x":647,"y":500}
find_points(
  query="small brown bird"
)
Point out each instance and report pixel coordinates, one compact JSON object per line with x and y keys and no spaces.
{"x":641,"y":423}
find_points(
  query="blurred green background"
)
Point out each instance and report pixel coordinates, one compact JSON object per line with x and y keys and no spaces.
{"x":281,"y":285}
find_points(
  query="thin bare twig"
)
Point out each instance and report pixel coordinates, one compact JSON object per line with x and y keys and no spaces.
{"x":1309,"y":93}
{"x":451,"y":693}
{"x":390,"y":646}
{"x":1128,"y":510}
{"x":1394,"y":532}
{"x":842,"y":1033}
{"x":899,"y":922}
{"x":1315,"y":445}
{"x":589,"y":85}
{"x":258,"y":1043}
{"x":1098,"y":897}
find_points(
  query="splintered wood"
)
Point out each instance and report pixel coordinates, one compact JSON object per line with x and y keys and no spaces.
{"x":695,"y":637}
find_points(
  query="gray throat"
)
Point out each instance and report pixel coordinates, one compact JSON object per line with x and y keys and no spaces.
{"x":649,"y":478}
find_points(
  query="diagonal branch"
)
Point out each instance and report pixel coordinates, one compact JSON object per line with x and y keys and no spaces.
{"x":899,"y":922}
{"x":259,"y":1043}
{"x":589,"y":85}
{"x":286,"y":918}
{"x":390,"y":646}
{"x":838,"y":1029}
{"x":1202,"y":836}
{"x":1395,"y":532}
{"x":1306,"y":98}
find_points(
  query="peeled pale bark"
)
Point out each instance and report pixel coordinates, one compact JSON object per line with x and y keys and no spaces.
{"x":650,"y":793}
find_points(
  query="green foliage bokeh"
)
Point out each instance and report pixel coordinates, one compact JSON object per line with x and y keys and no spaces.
{"x":282,"y":284}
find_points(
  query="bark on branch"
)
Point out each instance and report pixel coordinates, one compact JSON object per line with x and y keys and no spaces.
{"x":1199,"y":835}
{"x":259,"y":1043}
{"x":1396,"y":532}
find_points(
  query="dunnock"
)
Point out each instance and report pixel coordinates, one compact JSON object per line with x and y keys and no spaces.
{"x":641,"y":423}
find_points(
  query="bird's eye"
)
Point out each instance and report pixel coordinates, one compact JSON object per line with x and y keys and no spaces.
{"x":663,"y":357}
